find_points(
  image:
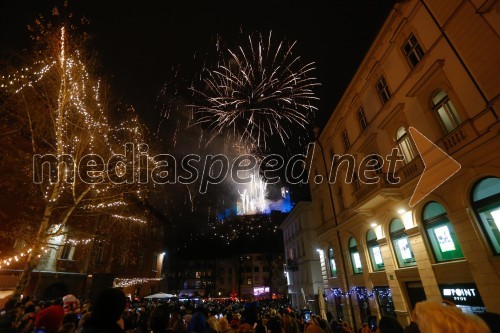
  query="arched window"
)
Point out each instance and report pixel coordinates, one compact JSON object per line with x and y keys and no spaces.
{"x":401,"y":244}
{"x":374,"y":249}
{"x":446,"y":111}
{"x":440,"y":233}
{"x":355,"y":258}
{"x":404,"y":144}
{"x":331,"y":261}
{"x":485,"y":199}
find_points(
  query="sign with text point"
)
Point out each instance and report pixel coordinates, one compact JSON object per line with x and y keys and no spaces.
{"x":439,"y":167}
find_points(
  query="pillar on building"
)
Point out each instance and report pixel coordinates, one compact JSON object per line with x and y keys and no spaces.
{"x":424,"y":265}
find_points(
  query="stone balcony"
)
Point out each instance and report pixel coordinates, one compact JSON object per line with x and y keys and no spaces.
{"x":412,"y":169}
{"x":458,"y":138}
{"x":369,"y":195}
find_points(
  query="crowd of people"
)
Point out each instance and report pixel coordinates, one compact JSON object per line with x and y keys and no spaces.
{"x":112,"y":312}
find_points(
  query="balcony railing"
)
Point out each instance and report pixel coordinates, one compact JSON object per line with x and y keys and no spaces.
{"x":411,"y":170}
{"x":458,"y":138}
{"x":365,"y":190}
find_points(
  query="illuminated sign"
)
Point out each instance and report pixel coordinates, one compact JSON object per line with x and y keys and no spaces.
{"x":461,"y":294}
{"x":260,"y":290}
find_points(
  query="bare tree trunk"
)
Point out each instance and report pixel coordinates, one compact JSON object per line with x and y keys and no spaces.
{"x":41,"y":238}
{"x":31,"y":263}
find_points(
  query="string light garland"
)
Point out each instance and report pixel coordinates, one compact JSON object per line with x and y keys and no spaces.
{"x":128,"y":218}
{"x":80,"y":127}
{"x":360,"y":292}
{"x":105,"y":205}
{"x":128,"y":282}
{"x":24,"y":254}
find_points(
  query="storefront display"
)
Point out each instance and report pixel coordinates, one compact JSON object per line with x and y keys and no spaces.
{"x":464,"y":295}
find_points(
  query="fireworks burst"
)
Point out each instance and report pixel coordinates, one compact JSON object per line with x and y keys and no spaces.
{"x":258,"y":91}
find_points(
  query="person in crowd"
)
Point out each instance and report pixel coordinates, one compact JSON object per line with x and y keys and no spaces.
{"x":70,"y":304}
{"x":106,"y":313}
{"x":324,"y":325}
{"x":491,"y":319}
{"x":175,"y":324}
{"x":312,"y":326}
{"x":224,"y":325}
{"x":389,"y":325}
{"x":433,"y":317}
{"x":69,"y":327}
{"x":198,"y":322}
{"x":27,"y":321}
{"x":273,"y":325}
{"x":158,"y":321}
{"x":213,"y":321}
{"x":50,"y":319}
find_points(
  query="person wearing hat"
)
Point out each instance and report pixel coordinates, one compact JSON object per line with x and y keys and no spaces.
{"x":106,"y":312}
{"x":70,"y":304}
{"x":50,"y":319}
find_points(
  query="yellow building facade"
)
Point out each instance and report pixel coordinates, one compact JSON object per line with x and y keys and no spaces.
{"x":433,"y":66}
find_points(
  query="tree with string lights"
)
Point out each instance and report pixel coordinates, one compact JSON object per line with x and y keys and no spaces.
{"x":60,"y":109}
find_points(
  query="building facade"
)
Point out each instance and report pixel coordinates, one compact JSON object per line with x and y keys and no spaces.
{"x":433,"y":67}
{"x":255,"y":275}
{"x":83,"y":266}
{"x":304,"y":273}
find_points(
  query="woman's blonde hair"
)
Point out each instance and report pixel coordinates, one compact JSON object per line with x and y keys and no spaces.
{"x":432,"y":317}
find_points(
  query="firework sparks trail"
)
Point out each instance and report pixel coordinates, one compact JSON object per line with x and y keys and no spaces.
{"x":257,"y":91}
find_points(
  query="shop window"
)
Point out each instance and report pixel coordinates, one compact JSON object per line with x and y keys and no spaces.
{"x":355,"y":258}
{"x":339,"y":307}
{"x":445,"y":111}
{"x":384,"y":300}
{"x":404,"y":144}
{"x":401,"y":244}
{"x":440,"y":233}
{"x":363,"y":303}
{"x":486,"y":203}
{"x":331,"y":262}
{"x":374,"y":250}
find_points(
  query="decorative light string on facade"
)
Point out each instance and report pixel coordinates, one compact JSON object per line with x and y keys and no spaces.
{"x":124,"y":283}
{"x":78,"y":241}
{"x":360,"y":292}
{"x":19,"y":256}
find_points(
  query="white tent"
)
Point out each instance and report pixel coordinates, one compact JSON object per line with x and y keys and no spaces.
{"x":160,"y":295}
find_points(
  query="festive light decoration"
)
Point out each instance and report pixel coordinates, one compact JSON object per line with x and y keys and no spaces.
{"x":360,"y":292}
{"x":128,"y":218}
{"x":128,"y":282}
{"x":65,"y":99}
{"x":257,"y":91}
{"x":105,"y":205}
{"x":78,"y":241}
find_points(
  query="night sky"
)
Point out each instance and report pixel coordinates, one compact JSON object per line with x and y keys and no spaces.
{"x":140,"y":42}
{"x":143,"y":45}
